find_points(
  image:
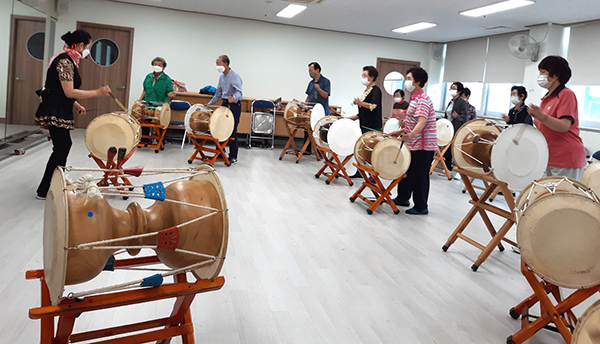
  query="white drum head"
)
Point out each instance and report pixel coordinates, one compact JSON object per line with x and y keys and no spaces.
{"x":591,"y":176}
{"x":164,"y":115}
{"x":112,"y":129}
{"x":342,"y":136}
{"x":519,"y":164}
{"x":559,"y":239}
{"x":391,"y":158}
{"x":190,"y":112}
{"x":445,"y":132}
{"x":317,"y":113}
{"x":350,"y":168}
{"x":392,"y":124}
{"x":56,"y":235}
{"x":221,"y":123}
{"x":587,"y":330}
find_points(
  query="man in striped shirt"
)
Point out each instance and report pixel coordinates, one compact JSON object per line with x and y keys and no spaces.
{"x":420,"y":136}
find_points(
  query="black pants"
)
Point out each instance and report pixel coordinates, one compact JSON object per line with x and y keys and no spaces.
{"x":309,"y":147}
{"x":448,"y":158}
{"x":416,"y":182}
{"x":61,"y":145}
{"x":236,"y":109}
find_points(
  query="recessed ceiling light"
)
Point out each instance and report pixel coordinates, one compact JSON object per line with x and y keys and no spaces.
{"x":414,"y":27}
{"x":291,"y":10}
{"x":497,"y":7}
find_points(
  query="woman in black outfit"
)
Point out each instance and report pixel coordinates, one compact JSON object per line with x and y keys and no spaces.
{"x":59,"y":99}
{"x":518,"y":114}
{"x":369,"y":103}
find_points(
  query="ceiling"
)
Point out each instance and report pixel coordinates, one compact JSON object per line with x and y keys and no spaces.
{"x":379,"y":17}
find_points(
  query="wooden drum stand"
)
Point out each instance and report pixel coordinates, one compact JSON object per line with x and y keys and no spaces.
{"x":438,"y":157}
{"x":158,"y":135}
{"x":199,"y":148}
{"x":292,"y":134}
{"x":334,"y":164}
{"x":373,"y":182}
{"x":481,"y":207}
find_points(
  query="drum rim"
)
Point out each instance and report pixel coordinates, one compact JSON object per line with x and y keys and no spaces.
{"x":406,"y":159}
{"x":335,"y":127}
{"x":463,"y":128}
{"x":526,"y":253}
{"x":522,"y":195}
{"x":317,"y":129}
{"x":500,"y":167}
{"x":591,"y":169}
{"x":130,"y":120}
{"x":286,"y":120}
{"x":357,"y":157}
{"x":581,"y":324}
{"x":448,"y":124}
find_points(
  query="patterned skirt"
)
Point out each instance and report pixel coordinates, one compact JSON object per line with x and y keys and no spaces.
{"x":46,"y":116}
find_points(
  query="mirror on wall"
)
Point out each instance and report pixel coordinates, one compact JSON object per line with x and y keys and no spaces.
{"x":24,"y":41}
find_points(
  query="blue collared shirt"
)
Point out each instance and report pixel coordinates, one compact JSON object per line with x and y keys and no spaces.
{"x":315,"y":97}
{"x":230,"y":84}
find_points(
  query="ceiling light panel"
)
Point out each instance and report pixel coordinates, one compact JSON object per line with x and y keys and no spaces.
{"x":415,"y":27}
{"x":497,"y":7}
{"x":291,"y":10}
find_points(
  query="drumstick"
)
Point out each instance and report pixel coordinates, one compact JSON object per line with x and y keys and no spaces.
{"x":516,"y":139}
{"x":362,"y":126}
{"x":399,"y":150}
{"x":118,"y":102}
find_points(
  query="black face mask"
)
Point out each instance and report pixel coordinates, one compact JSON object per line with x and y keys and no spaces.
{"x":312,"y":75}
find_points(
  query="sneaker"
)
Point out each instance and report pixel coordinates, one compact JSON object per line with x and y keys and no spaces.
{"x":412,"y":211}
{"x":233,"y":160}
{"x":456,"y":176}
{"x":40,"y":197}
{"x":401,"y":203}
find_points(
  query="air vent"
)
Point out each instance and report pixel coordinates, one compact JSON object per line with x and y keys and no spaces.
{"x":304,"y":2}
{"x":497,"y":28}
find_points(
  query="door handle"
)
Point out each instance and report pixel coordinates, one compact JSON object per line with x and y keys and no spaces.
{"x":122,"y":88}
{"x":18,"y":79}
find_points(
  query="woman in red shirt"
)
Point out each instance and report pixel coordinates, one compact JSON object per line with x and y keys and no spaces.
{"x":557,"y":118}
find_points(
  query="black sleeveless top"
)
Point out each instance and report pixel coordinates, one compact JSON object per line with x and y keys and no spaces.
{"x":56,"y":109}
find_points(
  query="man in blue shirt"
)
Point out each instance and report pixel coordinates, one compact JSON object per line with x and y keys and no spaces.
{"x":317,"y":91}
{"x":229,"y":90}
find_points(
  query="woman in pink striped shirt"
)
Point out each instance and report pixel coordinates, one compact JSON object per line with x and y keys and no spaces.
{"x":421,"y":138}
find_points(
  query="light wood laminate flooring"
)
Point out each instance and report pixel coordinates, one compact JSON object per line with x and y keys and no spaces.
{"x":304,"y":265}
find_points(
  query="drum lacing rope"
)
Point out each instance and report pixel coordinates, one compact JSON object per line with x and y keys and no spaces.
{"x":117,"y":187}
{"x":146,"y":171}
{"x":135,"y":283}
{"x":480,"y":138}
{"x":472,"y":157}
{"x":85,"y":185}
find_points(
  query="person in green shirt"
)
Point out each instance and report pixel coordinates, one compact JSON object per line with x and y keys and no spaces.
{"x":158,"y":86}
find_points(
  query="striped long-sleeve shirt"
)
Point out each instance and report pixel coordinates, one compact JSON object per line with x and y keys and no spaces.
{"x":421,"y":106}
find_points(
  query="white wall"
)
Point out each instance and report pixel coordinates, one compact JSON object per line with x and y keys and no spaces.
{"x":6,"y":9}
{"x":272,"y":59}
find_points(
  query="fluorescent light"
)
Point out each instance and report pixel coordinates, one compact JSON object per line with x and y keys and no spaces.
{"x":414,"y":27}
{"x":291,"y":10}
{"x":497,"y":7}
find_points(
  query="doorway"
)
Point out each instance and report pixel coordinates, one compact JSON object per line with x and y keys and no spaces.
{"x":389,"y":81}
{"x":109,"y":64}
{"x":25,"y":68}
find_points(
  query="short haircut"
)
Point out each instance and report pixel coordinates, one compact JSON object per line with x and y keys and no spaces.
{"x":521,"y":91}
{"x":76,"y":37}
{"x":399,"y":91}
{"x":160,"y":59}
{"x":225,"y":59}
{"x":315,"y":65}
{"x":459,"y":86}
{"x":466,"y":92}
{"x":556,"y":66}
{"x":419,"y":75}
{"x":372,"y":71}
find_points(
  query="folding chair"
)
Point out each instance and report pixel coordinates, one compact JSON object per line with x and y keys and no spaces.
{"x":262,"y":123}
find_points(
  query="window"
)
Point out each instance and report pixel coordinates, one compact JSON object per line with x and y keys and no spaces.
{"x":475,"y":99}
{"x":35,"y":45}
{"x":490,"y":100}
{"x":588,"y":104}
{"x":104,"y":52}
{"x":498,"y":99}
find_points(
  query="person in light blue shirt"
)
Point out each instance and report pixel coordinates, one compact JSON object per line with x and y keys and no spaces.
{"x":229,"y":91}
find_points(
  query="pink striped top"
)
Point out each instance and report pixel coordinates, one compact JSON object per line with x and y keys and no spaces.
{"x":421,"y":106}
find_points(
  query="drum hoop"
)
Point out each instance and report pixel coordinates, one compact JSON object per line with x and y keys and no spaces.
{"x":583,"y":321}
{"x":459,"y":136}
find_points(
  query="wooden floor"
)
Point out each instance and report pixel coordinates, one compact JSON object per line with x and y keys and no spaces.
{"x":304,"y":265}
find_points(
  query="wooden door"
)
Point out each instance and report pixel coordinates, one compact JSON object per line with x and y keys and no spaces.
{"x":25,"y":68}
{"x":109,"y":64}
{"x":386,"y":66}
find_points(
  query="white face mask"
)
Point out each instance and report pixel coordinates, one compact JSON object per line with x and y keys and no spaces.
{"x":542,"y":80}
{"x":408,"y":85}
{"x":220,"y":69}
{"x":157,"y":69}
{"x":514,"y":100}
{"x":85,"y":53}
{"x":453,"y":93}
{"x":365,"y":81}
{"x":398,"y":99}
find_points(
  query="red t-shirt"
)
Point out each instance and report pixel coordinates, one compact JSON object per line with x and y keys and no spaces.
{"x":566,"y":149}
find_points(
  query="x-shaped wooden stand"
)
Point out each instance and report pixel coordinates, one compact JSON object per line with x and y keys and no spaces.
{"x":373,"y":182}
{"x":292,"y":134}
{"x":334,"y":164}
{"x":218,"y":151}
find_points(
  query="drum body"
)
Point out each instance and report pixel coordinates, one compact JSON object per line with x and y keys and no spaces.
{"x":384,"y":154}
{"x":591,"y":176}
{"x":201,"y":120}
{"x":72,"y":218}
{"x":473,"y":142}
{"x":558,"y":232}
{"x":445,"y":132}
{"x":112,"y":129}
{"x":321,"y":129}
{"x":145,"y":113}
{"x":296,"y":117}
{"x":587,"y":330}
{"x":520,"y":155}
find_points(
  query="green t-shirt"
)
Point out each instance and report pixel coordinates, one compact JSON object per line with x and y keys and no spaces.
{"x":158,"y":92}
